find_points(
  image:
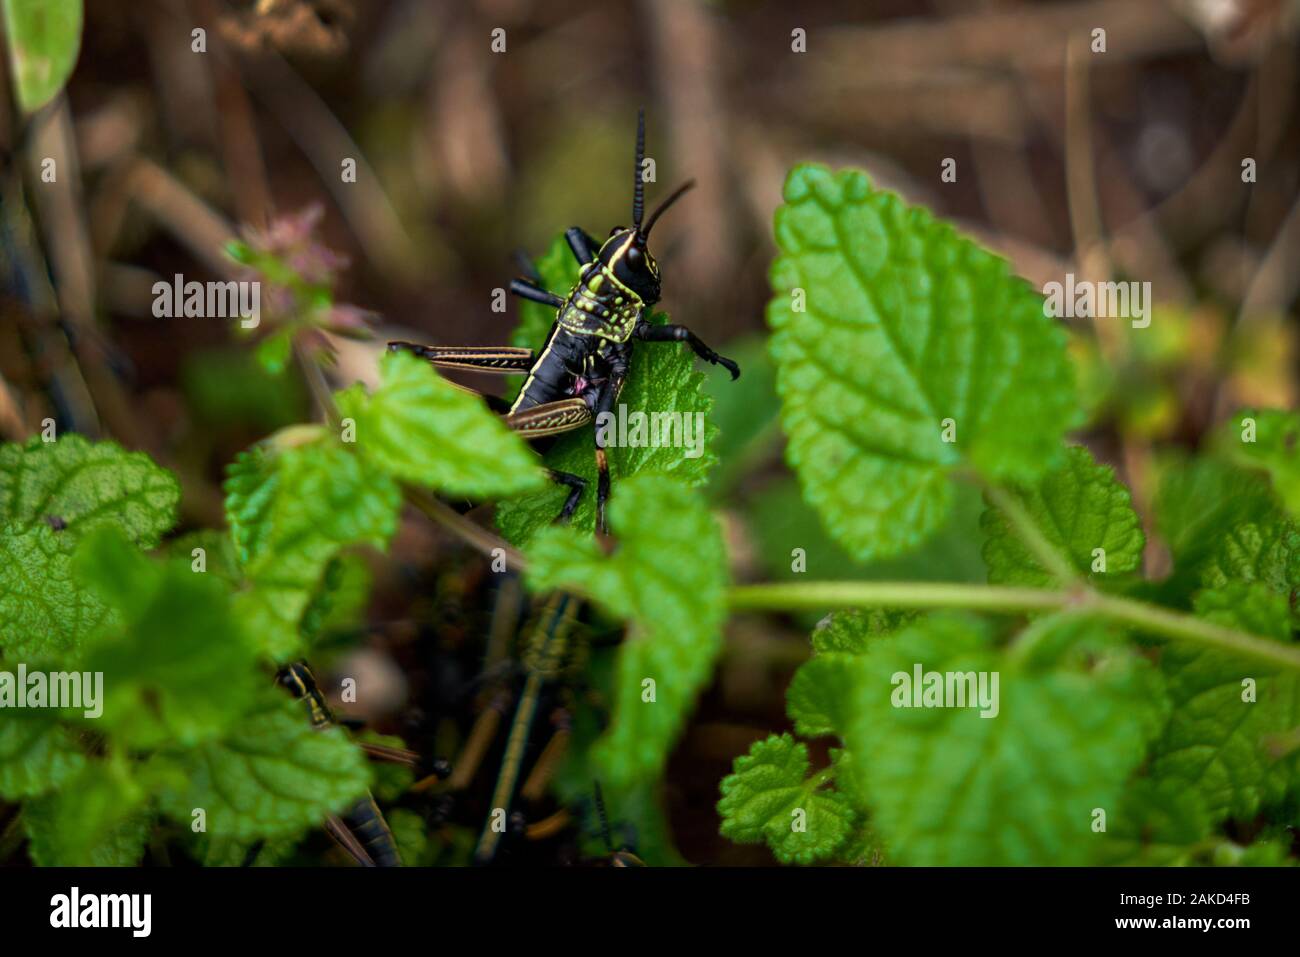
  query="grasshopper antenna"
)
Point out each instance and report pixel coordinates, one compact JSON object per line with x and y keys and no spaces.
{"x":673,"y":197}
{"x":638,"y":185}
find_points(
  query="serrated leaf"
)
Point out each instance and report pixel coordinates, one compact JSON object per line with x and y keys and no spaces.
{"x":96,"y":820}
{"x":85,"y":485}
{"x":906,"y":324}
{"x":1201,"y":500}
{"x":820,"y":697}
{"x":865,"y":847}
{"x":675,"y":609}
{"x":1274,"y":447}
{"x":1079,"y":506}
{"x":417,"y":427}
{"x":1251,"y":552}
{"x":661,"y":381}
{"x":52,"y":494}
{"x":44,"y":612}
{"x":950,"y":787}
{"x":769,"y":798}
{"x":1215,"y":741}
{"x":852,"y":631}
{"x":36,"y":754}
{"x":44,"y":40}
{"x":273,"y":776}
{"x":290,"y":512}
{"x":180,"y":667}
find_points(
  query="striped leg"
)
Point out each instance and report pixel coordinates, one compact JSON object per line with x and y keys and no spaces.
{"x":552,"y":418}
{"x":493,"y":359}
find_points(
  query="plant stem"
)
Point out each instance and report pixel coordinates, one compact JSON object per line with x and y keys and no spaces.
{"x":819,"y":596}
{"x":1172,"y":624}
{"x":474,"y":535}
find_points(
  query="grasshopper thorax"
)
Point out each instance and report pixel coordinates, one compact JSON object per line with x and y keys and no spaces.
{"x":626,"y":256}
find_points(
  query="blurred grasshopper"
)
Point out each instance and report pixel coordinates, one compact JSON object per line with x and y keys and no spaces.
{"x":361,"y":830}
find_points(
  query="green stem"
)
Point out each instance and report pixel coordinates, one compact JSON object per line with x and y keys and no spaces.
{"x":819,"y":596}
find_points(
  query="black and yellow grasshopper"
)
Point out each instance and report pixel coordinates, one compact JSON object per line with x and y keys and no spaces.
{"x":584,"y":362}
{"x":361,"y":830}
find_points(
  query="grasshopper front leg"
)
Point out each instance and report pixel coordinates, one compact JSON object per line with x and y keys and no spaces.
{"x":647,"y":332}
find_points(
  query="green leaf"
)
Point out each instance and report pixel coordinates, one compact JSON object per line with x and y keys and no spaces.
{"x":675,"y":609}
{"x":419,"y":428}
{"x":1271,"y":849}
{"x":96,"y":820}
{"x":274,"y":776}
{"x":906,"y":324}
{"x":782,"y":521}
{"x":854,"y":631}
{"x":769,"y":798}
{"x":1250,"y":552}
{"x":1079,"y":506}
{"x":1274,"y":447}
{"x":1201,"y":500}
{"x":180,"y":668}
{"x":36,"y":754}
{"x":1156,"y":824}
{"x":218,"y":554}
{"x":52,"y":494}
{"x":275,"y":351}
{"x":224,"y":852}
{"x":662,"y":381}
{"x":84,"y":485}
{"x":1215,"y":741}
{"x":290,"y":512}
{"x":948,"y":786}
{"x":341,"y":598}
{"x":820,"y":697}
{"x":412,"y":837}
{"x":746,"y":411}
{"x":43,"y":611}
{"x":44,"y":39}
